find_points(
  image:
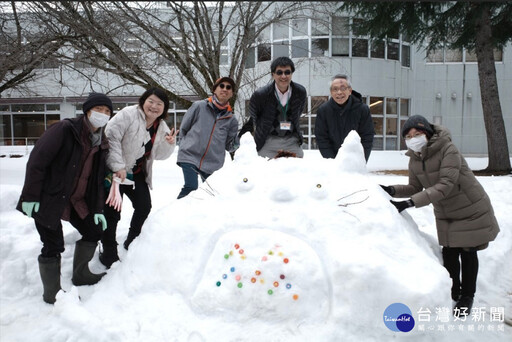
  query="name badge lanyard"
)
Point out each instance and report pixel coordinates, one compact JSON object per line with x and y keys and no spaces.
{"x":284,"y":109}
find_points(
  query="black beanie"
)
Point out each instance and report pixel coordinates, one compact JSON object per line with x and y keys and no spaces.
{"x":418,"y":122}
{"x":97,"y":99}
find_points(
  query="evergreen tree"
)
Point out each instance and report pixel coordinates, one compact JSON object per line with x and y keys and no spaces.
{"x":476,"y":26}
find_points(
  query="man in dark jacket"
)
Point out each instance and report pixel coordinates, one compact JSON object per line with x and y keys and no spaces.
{"x":64,"y":180}
{"x":344,"y":112}
{"x":275,"y":111}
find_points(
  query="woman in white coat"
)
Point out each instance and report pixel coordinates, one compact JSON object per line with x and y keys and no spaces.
{"x":137,"y":136}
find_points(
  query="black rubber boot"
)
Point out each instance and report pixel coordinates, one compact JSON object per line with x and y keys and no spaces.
{"x":49,"y":269}
{"x":463,"y":306}
{"x":109,"y":254}
{"x":132,"y":234}
{"x":84,"y":251}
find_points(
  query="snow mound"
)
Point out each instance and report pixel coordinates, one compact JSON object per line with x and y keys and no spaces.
{"x":266,"y":275}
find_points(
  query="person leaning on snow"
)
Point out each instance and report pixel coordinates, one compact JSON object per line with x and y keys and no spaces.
{"x":208,"y":129}
{"x":465,"y":220}
{"x":345,"y":111}
{"x":64,"y":180}
{"x":138,"y":135}
{"x":275,"y":111}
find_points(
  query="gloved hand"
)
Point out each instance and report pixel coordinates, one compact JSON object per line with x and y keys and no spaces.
{"x":389,"y":189}
{"x":100,"y":218}
{"x":27,"y":207}
{"x":402,"y":205}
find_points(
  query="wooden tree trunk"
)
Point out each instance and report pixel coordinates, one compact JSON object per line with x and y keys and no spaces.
{"x":499,"y":160}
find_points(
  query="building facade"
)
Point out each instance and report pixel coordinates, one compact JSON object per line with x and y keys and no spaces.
{"x":396,"y":78}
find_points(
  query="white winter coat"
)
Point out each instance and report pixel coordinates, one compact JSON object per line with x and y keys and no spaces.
{"x":127,"y":135}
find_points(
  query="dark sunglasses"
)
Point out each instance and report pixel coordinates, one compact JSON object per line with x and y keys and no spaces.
{"x":286,"y":72}
{"x":222,"y":85}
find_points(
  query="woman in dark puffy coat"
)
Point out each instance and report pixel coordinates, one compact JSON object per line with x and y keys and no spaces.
{"x":465,"y":220}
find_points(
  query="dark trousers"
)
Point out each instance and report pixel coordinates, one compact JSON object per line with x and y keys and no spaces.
{"x":469,"y":262}
{"x":141,"y":202}
{"x":53,"y":239}
{"x":190,"y":173}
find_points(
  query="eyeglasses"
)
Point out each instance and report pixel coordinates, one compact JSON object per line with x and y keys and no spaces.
{"x":286,"y":72}
{"x":336,"y":89}
{"x":222,"y":85}
{"x":415,"y":135}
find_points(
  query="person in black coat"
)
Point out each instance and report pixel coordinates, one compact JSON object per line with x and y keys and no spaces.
{"x":344,"y":112}
{"x":64,"y":180}
{"x":275,"y":111}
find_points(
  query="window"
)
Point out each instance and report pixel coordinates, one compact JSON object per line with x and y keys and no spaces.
{"x":27,"y":107}
{"x":299,"y":48}
{"x":376,"y":105}
{"x":453,"y":55}
{"x":28,"y":126}
{"x":51,"y":119}
{"x":378,"y":125}
{"x":377,"y":49}
{"x":435,"y":56}
{"x":5,"y":130}
{"x":281,"y":49}
{"x":280,"y":31}
{"x":299,"y":28}
{"x":404,"y":107}
{"x":340,"y":47}
{"x":393,"y":51}
{"x":359,"y":48}
{"x":52,"y":107}
{"x":319,"y":27}
{"x":391,"y":126}
{"x":264,"y":52}
{"x":391,"y":106}
{"x":340,"y":26}
{"x":406,"y":55}
{"x":320,"y":47}
{"x":317,"y":101}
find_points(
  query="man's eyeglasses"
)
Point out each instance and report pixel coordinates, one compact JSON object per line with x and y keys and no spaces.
{"x":222,"y":85}
{"x":286,"y":72}
{"x":415,"y":135}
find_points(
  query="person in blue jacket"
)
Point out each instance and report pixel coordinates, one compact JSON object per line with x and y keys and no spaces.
{"x":345,"y":111}
{"x":209,"y":129}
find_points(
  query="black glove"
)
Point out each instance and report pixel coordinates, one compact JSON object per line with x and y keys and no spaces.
{"x":402,"y":205}
{"x":389,"y":189}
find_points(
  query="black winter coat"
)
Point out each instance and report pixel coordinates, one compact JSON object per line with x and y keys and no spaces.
{"x":263,"y":108}
{"x":51,"y":170}
{"x":334,"y":124}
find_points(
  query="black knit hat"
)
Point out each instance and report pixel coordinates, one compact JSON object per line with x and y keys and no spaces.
{"x":97,"y":99}
{"x":223,"y":79}
{"x":418,"y":122}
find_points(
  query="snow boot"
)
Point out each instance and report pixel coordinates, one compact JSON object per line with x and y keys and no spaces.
{"x":109,"y":254}
{"x":132,"y":234}
{"x":49,"y":269}
{"x":463,"y":306}
{"x":84,"y":251}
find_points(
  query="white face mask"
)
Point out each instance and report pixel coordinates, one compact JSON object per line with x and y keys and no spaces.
{"x":98,"y":119}
{"x":416,"y":143}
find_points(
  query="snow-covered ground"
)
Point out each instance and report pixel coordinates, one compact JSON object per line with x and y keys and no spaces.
{"x":281,"y":250}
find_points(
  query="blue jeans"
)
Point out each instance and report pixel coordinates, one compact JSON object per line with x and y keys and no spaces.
{"x":190,"y":172}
